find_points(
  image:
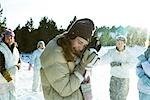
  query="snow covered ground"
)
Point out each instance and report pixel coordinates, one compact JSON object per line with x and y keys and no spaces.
{"x":100,"y":79}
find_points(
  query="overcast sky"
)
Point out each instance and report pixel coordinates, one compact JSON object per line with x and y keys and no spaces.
{"x":102,"y":12}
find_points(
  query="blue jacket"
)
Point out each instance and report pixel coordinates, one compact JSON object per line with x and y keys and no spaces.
{"x":35,"y":58}
{"x":143,"y":69}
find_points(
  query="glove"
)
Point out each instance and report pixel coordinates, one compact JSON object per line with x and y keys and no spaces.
{"x":89,"y":58}
{"x":115,"y":63}
{"x":80,"y":69}
{"x":6,"y":75}
{"x":142,"y":58}
{"x":143,"y":77}
{"x":145,"y":80}
{"x":95,"y":43}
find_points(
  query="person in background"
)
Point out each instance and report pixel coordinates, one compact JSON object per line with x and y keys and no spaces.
{"x":120,"y":61}
{"x":9,"y":63}
{"x":35,"y":60}
{"x":64,"y":61}
{"x":143,"y":73}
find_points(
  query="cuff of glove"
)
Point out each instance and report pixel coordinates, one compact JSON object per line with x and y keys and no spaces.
{"x":79,"y":76}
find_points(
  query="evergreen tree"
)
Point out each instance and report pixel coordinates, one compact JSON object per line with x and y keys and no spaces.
{"x":2,"y":21}
{"x":29,"y":25}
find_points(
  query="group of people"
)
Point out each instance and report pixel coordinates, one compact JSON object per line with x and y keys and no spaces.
{"x":63,"y":68}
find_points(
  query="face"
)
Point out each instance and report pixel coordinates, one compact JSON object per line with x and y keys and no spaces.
{"x":120,"y":45}
{"x":78,"y":45}
{"x":41,"y":46}
{"x":9,"y":39}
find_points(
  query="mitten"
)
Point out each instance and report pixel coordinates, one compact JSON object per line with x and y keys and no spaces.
{"x":145,"y":80}
{"x":80,"y":69}
{"x":89,"y":58}
{"x":142,"y":58}
{"x":115,"y":63}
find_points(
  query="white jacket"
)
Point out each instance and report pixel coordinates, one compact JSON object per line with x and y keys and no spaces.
{"x":11,"y":59}
{"x":124,"y":57}
{"x":35,"y":58}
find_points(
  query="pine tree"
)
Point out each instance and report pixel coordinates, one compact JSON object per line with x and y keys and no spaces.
{"x":2,"y":21}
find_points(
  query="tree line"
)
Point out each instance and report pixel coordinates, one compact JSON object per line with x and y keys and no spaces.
{"x":27,"y":36}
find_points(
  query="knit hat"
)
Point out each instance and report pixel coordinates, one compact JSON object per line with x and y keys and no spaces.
{"x":8,"y":32}
{"x":82,"y":28}
{"x":40,"y":42}
{"x":121,"y":38}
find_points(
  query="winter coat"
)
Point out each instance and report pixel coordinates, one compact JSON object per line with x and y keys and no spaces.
{"x":141,"y":86}
{"x":124,"y":57}
{"x":11,"y":60}
{"x":59,"y":81}
{"x":143,"y":66}
{"x":35,"y":58}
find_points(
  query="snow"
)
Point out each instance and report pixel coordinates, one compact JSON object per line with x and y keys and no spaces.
{"x":100,"y":79}
{"x":24,"y":84}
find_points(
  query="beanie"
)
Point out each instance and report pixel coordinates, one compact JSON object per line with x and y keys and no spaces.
{"x":8,"y":32}
{"x":40,"y":42}
{"x":121,"y":38}
{"x":82,"y":28}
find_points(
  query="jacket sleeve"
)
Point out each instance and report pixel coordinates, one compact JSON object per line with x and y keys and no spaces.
{"x":139,"y":70}
{"x":3,"y":70}
{"x":106,"y":58}
{"x":146,"y":67}
{"x":33,"y":57}
{"x":130,"y":61}
{"x":61,"y":80}
{"x":2,"y":62}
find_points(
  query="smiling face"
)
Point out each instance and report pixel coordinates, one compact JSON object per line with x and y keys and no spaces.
{"x":120,"y":45}
{"x":78,"y":45}
{"x":9,"y":39}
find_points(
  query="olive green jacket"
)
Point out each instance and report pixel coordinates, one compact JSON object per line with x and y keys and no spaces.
{"x":59,"y":81}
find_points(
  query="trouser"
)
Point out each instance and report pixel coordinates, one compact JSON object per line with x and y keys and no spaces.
{"x":143,"y":96}
{"x":119,"y":88}
{"x":36,"y":86}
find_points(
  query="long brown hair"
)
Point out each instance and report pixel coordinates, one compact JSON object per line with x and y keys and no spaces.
{"x":65,"y":43}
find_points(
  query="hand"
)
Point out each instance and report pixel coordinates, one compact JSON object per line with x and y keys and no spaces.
{"x":145,"y":80}
{"x":115,"y":63}
{"x":80,"y":69}
{"x":95,"y":43}
{"x":89,"y":58}
{"x":142,"y":58}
